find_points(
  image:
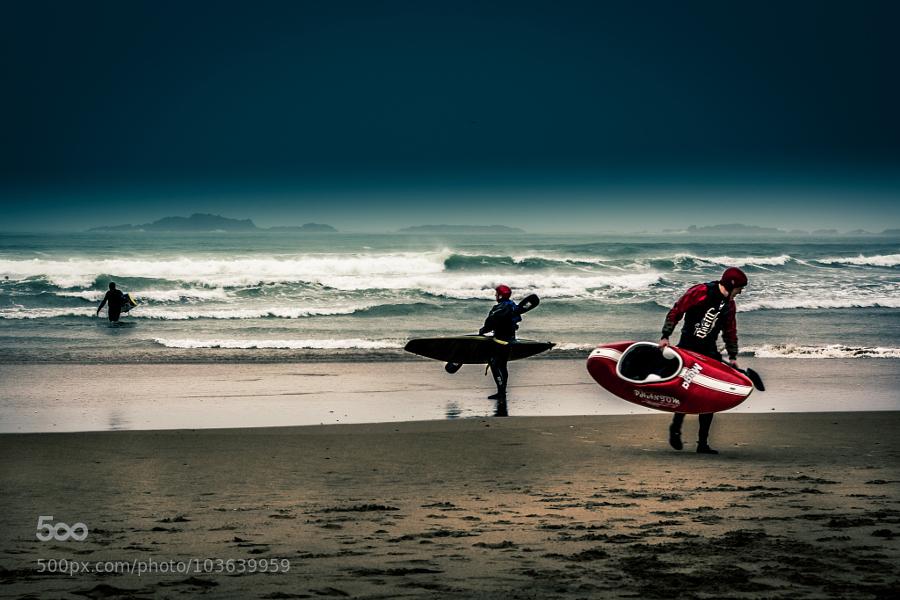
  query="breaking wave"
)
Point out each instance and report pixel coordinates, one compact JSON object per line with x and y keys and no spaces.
{"x":177,"y":295}
{"x":323,"y":344}
{"x":734,"y":261}
{"x":830,"y":351}
{"x":217,"y":272}
{"x":175,"y":314}
{"x":811,"y":302}
{"x":879,"y":260}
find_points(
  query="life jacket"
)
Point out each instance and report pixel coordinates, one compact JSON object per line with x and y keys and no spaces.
{"x":503,"y":320}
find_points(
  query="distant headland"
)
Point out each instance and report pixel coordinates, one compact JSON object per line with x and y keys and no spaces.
{"x":205,"y":223}
{"x":490,"y":229}
{"x":738,"y":229}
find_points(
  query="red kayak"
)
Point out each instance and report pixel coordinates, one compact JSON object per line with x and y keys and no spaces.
{"x":670,"y":379}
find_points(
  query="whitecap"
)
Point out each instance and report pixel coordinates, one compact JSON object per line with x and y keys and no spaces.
{"x":879,"y":260}
{"x":231,"y":272}
{"x":829,"y":351}
{"x":313,"y":344}
{"x":188,"y":313}
{"x":732,"y":261}
{"x":175,"y":295}
{"x":812,"y":301}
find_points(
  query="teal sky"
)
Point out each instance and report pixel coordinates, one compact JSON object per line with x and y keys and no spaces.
{"x":557,"y":205}
{"x":575,"y":116}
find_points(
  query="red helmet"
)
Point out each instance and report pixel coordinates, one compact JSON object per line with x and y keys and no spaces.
{"x":504,"y":291}
{"x":733,"y":278}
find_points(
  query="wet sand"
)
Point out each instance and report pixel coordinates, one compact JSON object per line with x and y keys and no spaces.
{"x":797,"y":506}
{"x":91,"y":397}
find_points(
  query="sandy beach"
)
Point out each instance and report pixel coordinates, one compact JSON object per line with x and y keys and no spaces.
{"x":797,"y":506}
{"x":271,"y":274}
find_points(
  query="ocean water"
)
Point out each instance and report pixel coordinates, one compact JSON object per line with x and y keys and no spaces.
{"x":289,"y":297}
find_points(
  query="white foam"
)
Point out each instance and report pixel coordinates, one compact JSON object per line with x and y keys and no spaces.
{"x":233,"y":272}
{"x":879,"y":260}
{"x":735,"y":261}
{"x":812,"y":301}
{"x":468,"y":286}
{"x":829,"y":351}
{"x":573,"y":346}
{"x":176,"y":295}
{"x":358,"y":272}
{"x":594,"y":260}
{"x":19,"y":312}
{"x":321,"y":344}
{"x":284,"y":312}
{"x":187,"y":313}
{"x":557,"y":257}
{"x":731,"y":261}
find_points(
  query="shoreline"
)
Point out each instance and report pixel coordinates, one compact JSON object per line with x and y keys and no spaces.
{"x":170,"y":357}
{"x":199,"y":356}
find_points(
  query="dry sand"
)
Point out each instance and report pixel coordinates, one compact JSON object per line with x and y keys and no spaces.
{"x":797,"y":506}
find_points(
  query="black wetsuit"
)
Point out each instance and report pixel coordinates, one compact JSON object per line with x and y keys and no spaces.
{"x":503,"y":321}
{"x":116,"y":300}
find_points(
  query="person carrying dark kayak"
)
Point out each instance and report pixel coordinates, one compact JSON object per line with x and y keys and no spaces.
{"x":708,"y":309}
{"x":503,"y":321}
{"x":116,"y":300}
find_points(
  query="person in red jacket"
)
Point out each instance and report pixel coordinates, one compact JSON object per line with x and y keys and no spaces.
{"x":708,"y":309}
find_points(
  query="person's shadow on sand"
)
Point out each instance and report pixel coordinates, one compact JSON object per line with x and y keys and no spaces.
{"x":453,"y":410}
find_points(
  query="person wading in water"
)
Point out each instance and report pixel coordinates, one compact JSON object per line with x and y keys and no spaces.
{"x":116,"y":300}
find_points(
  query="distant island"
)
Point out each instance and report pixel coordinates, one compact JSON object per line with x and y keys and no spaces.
{"x":205,"y":223}
{"x":734,"y":229}
{"x":306,"y":228}
{"x":740,"y":230}
{"x":490,"y":229}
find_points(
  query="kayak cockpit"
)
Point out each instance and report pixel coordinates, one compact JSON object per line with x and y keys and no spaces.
{"x":646,"y":362}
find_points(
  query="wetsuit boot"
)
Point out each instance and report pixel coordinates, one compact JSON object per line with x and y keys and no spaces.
{"x":675,"y":431}
{"x":703,"y":441}
{"x":501,"y":376}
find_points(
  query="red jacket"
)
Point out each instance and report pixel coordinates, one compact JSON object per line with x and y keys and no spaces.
{"x":706,"y":312}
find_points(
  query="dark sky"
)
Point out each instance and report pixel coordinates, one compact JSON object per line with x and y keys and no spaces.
{"x":382,"y":113}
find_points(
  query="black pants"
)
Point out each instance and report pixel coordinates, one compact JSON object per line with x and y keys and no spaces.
{"x":705,"y":423}
{"x":114,"y":313}
{"x":498,"y":362}
{"x":706,"y":418}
